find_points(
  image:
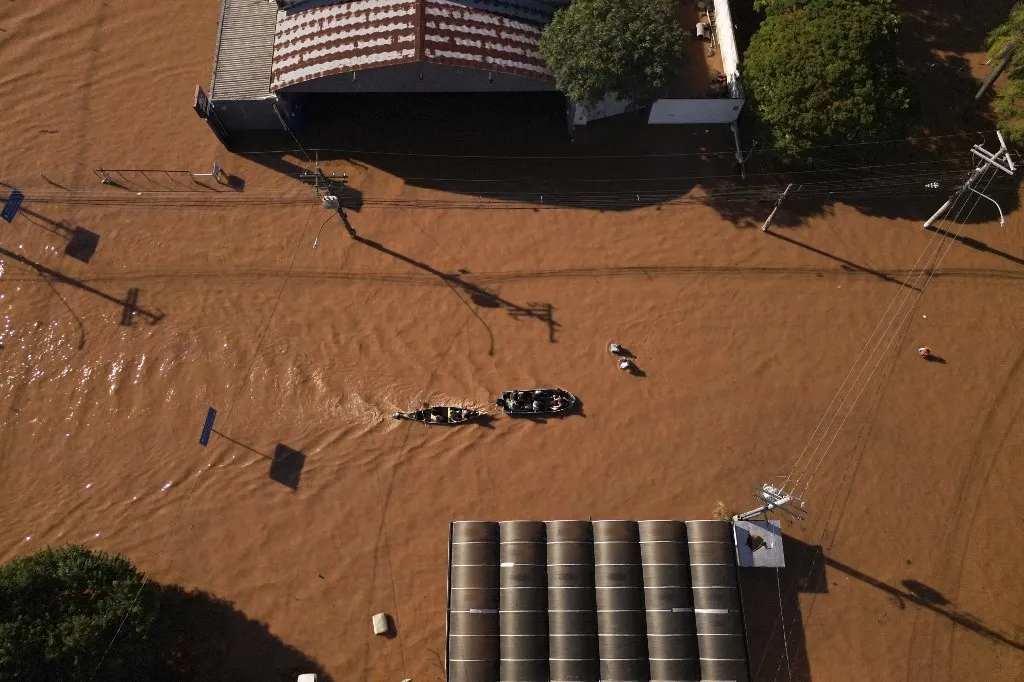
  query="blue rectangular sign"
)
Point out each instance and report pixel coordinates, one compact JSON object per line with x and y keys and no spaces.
{"x":12,"y":205}
{"x":204,"y":437}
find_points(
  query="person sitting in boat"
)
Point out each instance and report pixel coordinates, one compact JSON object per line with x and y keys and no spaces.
{"x":536,"y":406}
{"x":558,"y":403}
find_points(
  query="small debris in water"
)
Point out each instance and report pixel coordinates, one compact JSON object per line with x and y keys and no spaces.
{"x":88,"y":485}
{"x":167,"y":485}
{"x":97,"y":535}
{"x":27,"y":538}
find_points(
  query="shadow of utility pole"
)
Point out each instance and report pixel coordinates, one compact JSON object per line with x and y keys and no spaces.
{"x":286,"y":464}
{"x":847,"y":265}
{"x":977,"y":245}
{"x":128,"y":304}
{"x":479,"y":296}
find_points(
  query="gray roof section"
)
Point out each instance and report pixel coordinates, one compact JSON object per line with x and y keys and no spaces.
{"x":587,"y":601}
{"x":245,"y":50}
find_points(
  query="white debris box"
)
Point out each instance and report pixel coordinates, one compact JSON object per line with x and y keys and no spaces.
{"x":307,"y":677}
{"x":380,"y":624}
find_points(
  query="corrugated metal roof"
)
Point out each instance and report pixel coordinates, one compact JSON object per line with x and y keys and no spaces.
{"x":339,"y":37}
{"x":593,"y":600}
{"x":245,"y":50}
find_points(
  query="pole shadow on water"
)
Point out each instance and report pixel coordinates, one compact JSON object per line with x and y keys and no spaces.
{"x":81,"y":243}
{"x":976,"y":245}
{"x":845,"y":264}
{"x":478,"y":296}
{"x":776,"y":640}
{"x":129,"y":304}
{"x":286,"y":464}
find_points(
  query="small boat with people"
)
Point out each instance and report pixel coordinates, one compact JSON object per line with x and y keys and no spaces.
{"x":536,"y":402}
{"x":447,"y":416}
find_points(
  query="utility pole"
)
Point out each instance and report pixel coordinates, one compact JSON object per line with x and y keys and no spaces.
{"x":768,"y":221}
{"x":741,"y":158}
{"x":1001,"y":160}
{"x":771,"y":498}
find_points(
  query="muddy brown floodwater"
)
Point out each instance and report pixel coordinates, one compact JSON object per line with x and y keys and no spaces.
{"x":743,"y":339}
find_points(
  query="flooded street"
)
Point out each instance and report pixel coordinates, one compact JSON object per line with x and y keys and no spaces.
{"x":194,"y":298}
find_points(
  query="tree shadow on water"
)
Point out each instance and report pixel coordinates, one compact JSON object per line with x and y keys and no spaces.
{"x":202,"y":637}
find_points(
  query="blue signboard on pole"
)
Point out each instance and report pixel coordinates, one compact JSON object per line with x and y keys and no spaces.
{"x":12,"y":205}
{"x":204,"y":437}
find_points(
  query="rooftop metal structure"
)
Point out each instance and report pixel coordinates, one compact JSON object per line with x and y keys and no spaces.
{"x":588,"y":601}
{"x":245,"y":50}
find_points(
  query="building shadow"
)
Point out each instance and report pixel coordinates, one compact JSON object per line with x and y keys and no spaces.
{"x":775,"y":634}
{"x":777,"y":647}
{"x":202,"y":637}
{"x":492,"y":150}
{"x":129,"y":304}
{"x":516,"y":151}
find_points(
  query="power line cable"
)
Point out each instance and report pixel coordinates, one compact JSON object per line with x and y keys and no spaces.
{"x":906,"y":140}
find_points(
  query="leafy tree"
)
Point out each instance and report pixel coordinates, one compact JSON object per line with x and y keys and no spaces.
{"x":826,"y":72}
{"x":1009,"y":102}
{"x":59,"y":610}
{"x":597,"y":47}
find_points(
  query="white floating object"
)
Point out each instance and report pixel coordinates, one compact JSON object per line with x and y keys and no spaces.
{"x":27,"y":538}
{"x":925,"y":316}
{"x":97,"y":535}
{"x":380,"y":624}
{"x":88,"y":485}
{"x":166,"y":486}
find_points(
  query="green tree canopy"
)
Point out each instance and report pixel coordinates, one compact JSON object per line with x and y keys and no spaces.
{"x":826,"y":72}
{"x":629,"y":47}
{"x":1009,"y":104}
{"x":59,"y":610}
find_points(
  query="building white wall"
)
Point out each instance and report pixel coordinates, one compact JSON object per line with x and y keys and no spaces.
{"x":726,"y":40}
{"x":709,"y":110}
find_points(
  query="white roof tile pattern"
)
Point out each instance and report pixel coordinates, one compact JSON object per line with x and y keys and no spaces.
{"x":345,"y":36}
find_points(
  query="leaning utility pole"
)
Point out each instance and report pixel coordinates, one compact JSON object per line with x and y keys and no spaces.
{"x":1001,"y":160}
{"x":768,"y":221}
